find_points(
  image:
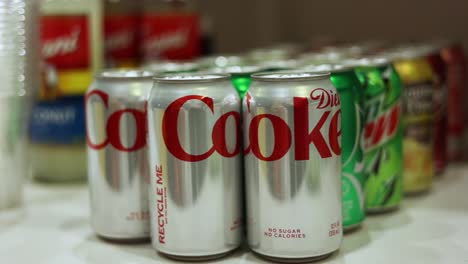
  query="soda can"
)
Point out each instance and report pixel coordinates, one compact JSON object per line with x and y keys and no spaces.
{"x":240,"y":76}
{"x":382,"y":137}
{"x":195,"y":161}
{"x":439,"y":71}
{"x":417,"y":76}
{"x":457,"y":79}
{"x":117,"y":154}
{"x":292,"y":124}
{"x":351,"y":95}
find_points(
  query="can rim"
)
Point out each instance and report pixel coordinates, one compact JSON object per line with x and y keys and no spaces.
{"x":124,"y":74}
{"x":237,"y":70}
{"x":280,"y":76}
{"x":190,"y":78}
{"x":376,"y":61}
{"x":331,"y":67}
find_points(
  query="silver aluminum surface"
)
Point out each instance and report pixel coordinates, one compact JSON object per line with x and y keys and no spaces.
{"x":117,"y":154}
{"x":293,"y":193}
{"x":195,"y":162}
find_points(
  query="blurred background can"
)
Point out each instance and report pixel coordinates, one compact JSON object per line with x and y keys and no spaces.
{"x":457,"y":82}
{"x":351,"y":94}
{"x":117,"y":154}
{"x":383,"y":134}
{"x":195,"y":166}
{"x":293,"y":164}
{"x":439,"y":70}
{"x":121,"y":33}
{"x":418,"y":114}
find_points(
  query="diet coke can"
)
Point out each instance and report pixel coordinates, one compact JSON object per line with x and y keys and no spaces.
{"x":195,"y":162}
{"x":292,"y":128}
{"x":117,"y":155}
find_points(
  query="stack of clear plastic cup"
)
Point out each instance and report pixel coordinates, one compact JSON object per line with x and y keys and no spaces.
{"x":18,"y":77}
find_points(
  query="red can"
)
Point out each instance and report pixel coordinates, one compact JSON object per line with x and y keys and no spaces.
{"x":439,"y":70}
{"x":454,"y":57}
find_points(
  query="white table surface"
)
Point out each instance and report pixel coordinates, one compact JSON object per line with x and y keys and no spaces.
{"x":53,"y":228}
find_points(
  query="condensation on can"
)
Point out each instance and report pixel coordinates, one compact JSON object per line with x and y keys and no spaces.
{"x":117,"y":154}
{"x":299,"y":171}
{"x":195,"y":163}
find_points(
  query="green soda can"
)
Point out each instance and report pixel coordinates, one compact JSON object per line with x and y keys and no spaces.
{"x":383,"y":134}
{"x":240,"y":76}
{"x":351,"y":95}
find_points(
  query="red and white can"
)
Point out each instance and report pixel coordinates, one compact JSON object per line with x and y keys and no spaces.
{"x":293,"y":166}
{"x":195,"y":162}
{"x":117,"y":154}
{"x":439,"y":70}
{"x":454,"y":57}
{"x":121,"y":33}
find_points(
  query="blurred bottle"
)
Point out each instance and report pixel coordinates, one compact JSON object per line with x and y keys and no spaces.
{"x":18,"y":73}
{"x":71,"y":47}
{"x":170,"y":30}
{"x":121,"y":32}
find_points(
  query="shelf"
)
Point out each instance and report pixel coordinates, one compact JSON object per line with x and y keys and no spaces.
{"x":53,"y":228}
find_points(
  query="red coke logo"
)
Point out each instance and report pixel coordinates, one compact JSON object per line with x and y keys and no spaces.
{"x":112,"y":128}
{"x":325,"y":98}
{"x":218,"y":134}
{"x":327,"y":144}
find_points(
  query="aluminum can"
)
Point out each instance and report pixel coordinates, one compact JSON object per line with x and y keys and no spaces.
{"x":439,"y":71}
{"x":457,"y":79}
{"x":292,"y":124}
{"x":418,"y":115}
{"x":195,"y":162}
{"x":351,"y":94}
{"x":383,"y":134}
{"x":118,"y":171}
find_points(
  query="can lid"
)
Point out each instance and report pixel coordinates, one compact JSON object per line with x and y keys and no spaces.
{"x":409,"y":52}
{"x":190,"y":78}
{"x":170,"y":67}
{"x":328,"y":67}
{"x":368,"y":61}
{"x":290,"y":76}
{"x":249,"y":69}
{"x":125,"y":74}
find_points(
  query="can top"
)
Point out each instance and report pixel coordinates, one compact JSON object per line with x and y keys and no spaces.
{"x":328,"y":67}
{"x":190,"y":78}
{"x":290,"y":76}
{"x":249,"y":69}
{"x":171,"y":67}
{"x":410,"y":52}
{"x":124,"y":75}
{"x":367,"y":61}
{"x":221,"y":61}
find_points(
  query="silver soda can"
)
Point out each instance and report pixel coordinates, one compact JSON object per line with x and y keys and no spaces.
{"x":118,"y":171}
{"x":195,"y":161}
{"x":292,"y":128}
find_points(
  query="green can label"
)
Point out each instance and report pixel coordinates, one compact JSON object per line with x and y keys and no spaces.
{"x":353,"y":164}
{"x":352,"y":155}
{"x":382,"y":142}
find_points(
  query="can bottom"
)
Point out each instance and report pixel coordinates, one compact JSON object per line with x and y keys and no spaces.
{"x":197,"y":258}
{"x":382,"y":210}
{"x":120,"y":240}
{"x":417,"y":192}
{"x":294,"y":260}
{"x":352,"y":228}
